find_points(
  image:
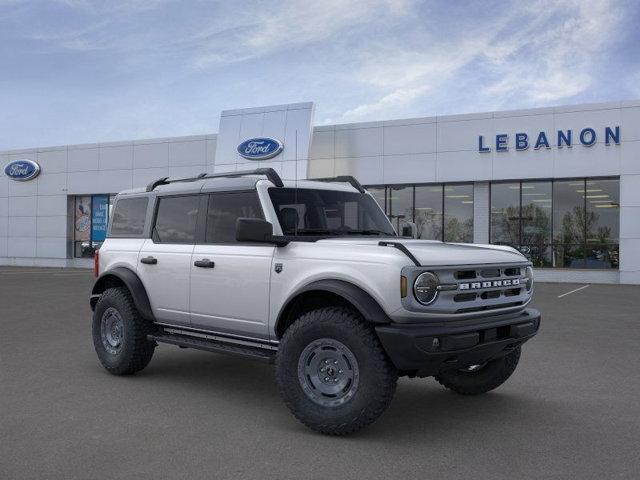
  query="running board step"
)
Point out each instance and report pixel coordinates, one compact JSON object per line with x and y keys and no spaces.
{"x":254,"y":353}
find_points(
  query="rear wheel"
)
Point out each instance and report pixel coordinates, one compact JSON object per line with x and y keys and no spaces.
{"x":332,"y":371}
{"x":120,"y":333}
{"x":478,"y":379}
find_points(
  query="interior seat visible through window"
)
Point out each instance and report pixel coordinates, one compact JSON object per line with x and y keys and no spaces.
{"x":224,"y":209}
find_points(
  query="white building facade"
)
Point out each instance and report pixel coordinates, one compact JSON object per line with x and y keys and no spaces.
{"x":561,"y":184}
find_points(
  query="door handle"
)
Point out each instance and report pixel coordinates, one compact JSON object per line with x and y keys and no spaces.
{"x":149,"y":260}
{"x":204,"y":263}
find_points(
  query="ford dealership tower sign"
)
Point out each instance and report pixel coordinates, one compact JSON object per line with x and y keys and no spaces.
{"x":22,"y":170}
{"x":260,"y":148}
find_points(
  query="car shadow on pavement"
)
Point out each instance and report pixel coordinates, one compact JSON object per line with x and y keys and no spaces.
{"x":421,"y":407}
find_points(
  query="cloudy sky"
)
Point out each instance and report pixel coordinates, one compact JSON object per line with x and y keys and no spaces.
{"x":80,"y":71}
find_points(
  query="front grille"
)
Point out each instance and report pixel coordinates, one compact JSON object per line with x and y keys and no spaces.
{"x":476,"y":288}
{"x":488,"y":307}
{"x":465,"y":274}
{"x":465,"y":297}
{"x":490,"y":273}
{"x":488,"y":288}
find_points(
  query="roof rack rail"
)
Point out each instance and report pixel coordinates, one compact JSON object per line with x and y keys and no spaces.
{"x":343,"y":178}
{"x":270,"y":173}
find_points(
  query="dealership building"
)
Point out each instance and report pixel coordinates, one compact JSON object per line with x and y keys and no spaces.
{"x":561,"y":184}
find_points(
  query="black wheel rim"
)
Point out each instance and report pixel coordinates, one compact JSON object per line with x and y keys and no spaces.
{"x":111,"y":330}
{"x":328,"y":372}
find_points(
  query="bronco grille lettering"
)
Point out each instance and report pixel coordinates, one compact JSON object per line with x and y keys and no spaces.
{"x":489,"y":284}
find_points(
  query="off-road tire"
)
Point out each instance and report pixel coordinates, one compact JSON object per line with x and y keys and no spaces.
{"x":135,"y":351}
{"x":376,"y":381}
{"x":487,"y":378}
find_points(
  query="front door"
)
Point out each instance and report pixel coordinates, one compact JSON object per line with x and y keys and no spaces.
{"x":230,"y":280}
{"x":164,"y":262}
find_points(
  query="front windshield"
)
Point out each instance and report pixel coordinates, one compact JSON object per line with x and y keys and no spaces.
{"x":306,"y":211}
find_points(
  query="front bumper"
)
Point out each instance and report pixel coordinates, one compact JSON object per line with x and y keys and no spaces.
{"x":426,"y":350}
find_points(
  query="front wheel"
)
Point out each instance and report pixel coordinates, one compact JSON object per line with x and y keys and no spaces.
{"x":478,"y":379}
{"x":332,"y":372}
{"x":120,"y":333}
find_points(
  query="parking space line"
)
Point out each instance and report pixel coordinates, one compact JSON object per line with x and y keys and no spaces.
{"x":573,"y":291}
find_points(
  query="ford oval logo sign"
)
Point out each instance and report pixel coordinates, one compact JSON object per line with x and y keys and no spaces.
{"x":22,"y":170}
{"x":260,"y":148}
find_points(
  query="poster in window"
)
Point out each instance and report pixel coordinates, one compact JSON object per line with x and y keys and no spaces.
{"x":99,"y":217}
{"x":82,"y":229}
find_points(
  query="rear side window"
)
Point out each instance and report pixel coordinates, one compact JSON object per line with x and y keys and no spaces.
{"x":128,"y":217}
{"x":224,"y":209}
{"x":176,"y":219}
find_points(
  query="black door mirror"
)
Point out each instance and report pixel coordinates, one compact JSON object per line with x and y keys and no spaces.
{"x":254,"y":230}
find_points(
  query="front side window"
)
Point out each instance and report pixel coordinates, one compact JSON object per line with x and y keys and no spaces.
{"x":223,"y":212}
{"x":328,"y":212}
{"x":176,"y":219}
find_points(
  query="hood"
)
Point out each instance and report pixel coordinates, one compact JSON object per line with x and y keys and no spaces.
{"x":434,"y":253}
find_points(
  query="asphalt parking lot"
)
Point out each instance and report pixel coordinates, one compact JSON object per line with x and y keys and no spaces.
{"x":571,"y":410}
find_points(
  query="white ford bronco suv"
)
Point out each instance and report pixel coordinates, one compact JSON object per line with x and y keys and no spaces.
{"x":309,"y":275}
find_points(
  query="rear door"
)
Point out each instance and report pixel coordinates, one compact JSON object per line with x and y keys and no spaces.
{"x":164,"y":262}
{"x":230,"y":280}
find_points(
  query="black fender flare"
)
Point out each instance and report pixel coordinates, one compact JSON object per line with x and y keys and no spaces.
{"x":368,"y":307}
{"x":132,"y":282}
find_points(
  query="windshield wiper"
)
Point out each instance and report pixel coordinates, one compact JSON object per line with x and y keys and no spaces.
{"x":323,"y":231}
{"x":312,"y":231}
{"x":366,"y":232}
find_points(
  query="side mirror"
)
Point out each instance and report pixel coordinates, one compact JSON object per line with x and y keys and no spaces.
{"x":254,"y":230}
{"x":410,"y":229}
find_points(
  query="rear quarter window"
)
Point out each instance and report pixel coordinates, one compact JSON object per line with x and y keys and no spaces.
{"x":129,"y":215}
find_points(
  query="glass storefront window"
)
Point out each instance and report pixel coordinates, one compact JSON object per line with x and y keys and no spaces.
{"x":91,"y":217}
{"x":428,"y":212}
{"x":379,"y":194}
{"x":458,"y":213}
{"x":536,"y":212}
{"x":564,"y":223}
{"x":440,"y":212}
{"x":505,"y":214}
{"x":603,"y":223}
{"x":400,"y":206}
{"x":569,"y":223}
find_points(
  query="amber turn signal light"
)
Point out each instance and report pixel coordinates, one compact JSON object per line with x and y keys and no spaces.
{"x":403,"y":286}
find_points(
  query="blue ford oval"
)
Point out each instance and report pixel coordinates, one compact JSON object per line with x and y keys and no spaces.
{"x":22,"y":170}
{"x":260,"y":148}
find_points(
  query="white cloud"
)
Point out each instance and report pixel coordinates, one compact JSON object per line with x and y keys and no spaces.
{"x":398,"y":98}
{"x":287,"y":25}
{"x":544,"y":52}
{"x":554,"y":63}
{"x":160,"y":68}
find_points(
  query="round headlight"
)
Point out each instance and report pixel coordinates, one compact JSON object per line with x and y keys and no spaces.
{"x":426,"y":288}
{"x":528,"y":274}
